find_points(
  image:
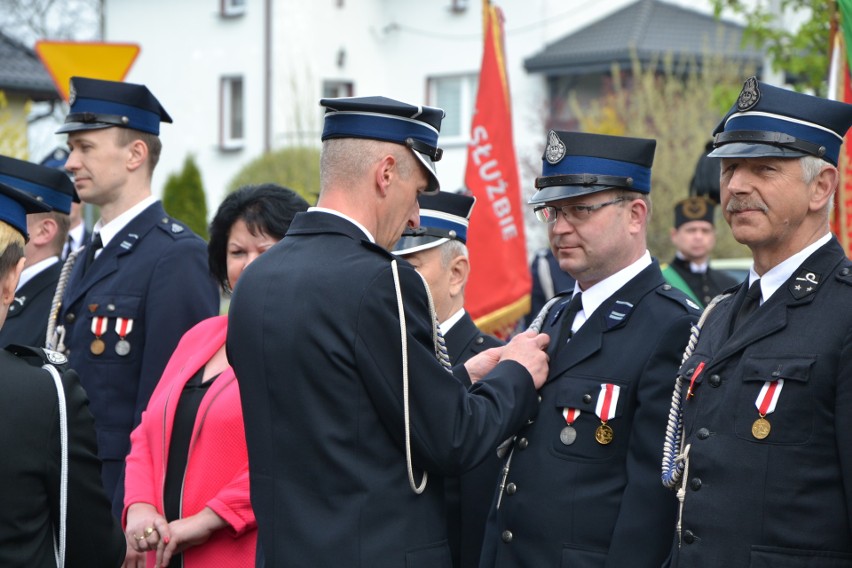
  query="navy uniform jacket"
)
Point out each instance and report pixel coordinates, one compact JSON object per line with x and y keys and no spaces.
{"x":155,"y":272}
{"x":469,"y":496}
{"x":30,"y":468}
{"x":26,"y":323}
{"x":314,"y":338}
{"x":784,"y":501}
{"x":586,"y":504}
{"x":706,"y":285}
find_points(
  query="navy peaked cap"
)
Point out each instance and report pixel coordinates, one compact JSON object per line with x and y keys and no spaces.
{"x":96,"y":103}
{"x":695,"y":208}
{"x":381,"y":118}
{"x":49,"y":185}
{"x":768,"y":121}
{"x":444,"y":216}
{"x":578,"y":163}
{"x":14,"y":206}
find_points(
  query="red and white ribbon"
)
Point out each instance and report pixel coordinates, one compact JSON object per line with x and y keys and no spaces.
{"x":99,"y":325}
{"x":570,"y":414}
{"x":767,"y":398}
{"x":607,"y":401}
{"x":123,"y":326}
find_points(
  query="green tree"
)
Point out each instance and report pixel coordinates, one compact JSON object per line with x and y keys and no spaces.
{"x":13,"y":131}
{"x":295,"y":167}
{"x":184,"y":199}
{"x":802,"y":52}
{"x":679,"y":107}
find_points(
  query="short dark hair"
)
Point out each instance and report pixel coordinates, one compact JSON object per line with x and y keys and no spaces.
{"x":267,"y":208}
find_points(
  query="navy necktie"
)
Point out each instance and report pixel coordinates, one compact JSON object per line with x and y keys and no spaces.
{"x":751,"y":303}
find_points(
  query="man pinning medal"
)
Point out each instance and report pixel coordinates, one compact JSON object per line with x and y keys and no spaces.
{"x":763,"y":460}
{"x":580,"y":484}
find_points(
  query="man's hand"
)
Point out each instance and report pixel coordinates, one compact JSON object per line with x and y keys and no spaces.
{"x":526,"y":348}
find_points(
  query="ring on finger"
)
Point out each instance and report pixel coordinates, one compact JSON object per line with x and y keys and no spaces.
{"x":148,"y":532}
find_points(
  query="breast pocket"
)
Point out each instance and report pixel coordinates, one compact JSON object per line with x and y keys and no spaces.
{"x":114,"y":328}
{"x":792,"y":420}
{"x":587,"y":439}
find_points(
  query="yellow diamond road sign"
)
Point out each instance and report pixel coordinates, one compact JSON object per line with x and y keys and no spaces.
{"x":96,"y":60}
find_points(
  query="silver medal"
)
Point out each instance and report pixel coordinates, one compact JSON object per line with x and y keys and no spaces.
{"x":122,"y":347}
{"x":568,"y":435}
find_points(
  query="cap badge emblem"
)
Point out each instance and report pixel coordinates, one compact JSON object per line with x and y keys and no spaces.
{"x":555,"y":150}
{"x":72,"y":94}
{"x":695,"y":208}
{"x":749,"y":95}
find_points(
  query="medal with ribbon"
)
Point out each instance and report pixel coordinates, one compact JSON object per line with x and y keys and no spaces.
{"x":605,"y":410}
{"x":691,"y":391}
{"x":767,"y":398}
{"x":99,"y":327}
{"x":569,"y":434}
{"x":123,"y":326}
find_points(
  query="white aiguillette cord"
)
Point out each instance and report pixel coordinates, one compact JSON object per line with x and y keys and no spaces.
{"x":55,"y":337}
{"x":59,"y":547}
{"x":440,"y":353}
{"x":675,"y":456}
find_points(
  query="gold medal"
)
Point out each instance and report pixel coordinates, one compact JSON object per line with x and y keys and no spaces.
{"x":97,"y":347}
{"x":604,"y":434}
{"x":761,"y":427}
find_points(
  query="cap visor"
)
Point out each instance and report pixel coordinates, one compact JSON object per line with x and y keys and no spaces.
{"x":743,"y":150}
{"x":557,"y":192}
{"x":76,"y":126}
{"x":410,"y":245}
{"x":434,"y":185}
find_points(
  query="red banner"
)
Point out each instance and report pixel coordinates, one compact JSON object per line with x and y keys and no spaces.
{"x":840,"y":88}
{"x":498,"y":291}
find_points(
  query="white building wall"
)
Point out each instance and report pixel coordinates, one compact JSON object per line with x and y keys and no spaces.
{"x":389,"y":47}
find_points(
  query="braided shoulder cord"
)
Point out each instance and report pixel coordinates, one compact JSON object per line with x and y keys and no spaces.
{"x":674,"y":457}
{"x":55,"y":337}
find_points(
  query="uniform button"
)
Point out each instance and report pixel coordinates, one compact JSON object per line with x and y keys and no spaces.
{"x":688,"y":537}
{"x":69,"y":317}
{"x":703,"y":433}
{"x":523,"y":443}
{"x":587,"y":398}
{"x":667,"y":287}
{"x":480,"y":340}
{"x":111,"y":307}
{"x":715,"y":380}
{"x":844,"y":271}
{"x":695,"y":484}
{"x":506,"y":536}
{"x":511,"y":489}
{"x":539,"y":398}
{"x":12,"y":308}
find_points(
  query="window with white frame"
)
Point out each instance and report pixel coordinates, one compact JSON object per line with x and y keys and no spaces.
{"x":232,"y":113}
{"x":231,"y":8}
{"x":456,"y":94}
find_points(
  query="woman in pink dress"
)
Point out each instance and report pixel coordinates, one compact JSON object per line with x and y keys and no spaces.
{"x":186,"y":498}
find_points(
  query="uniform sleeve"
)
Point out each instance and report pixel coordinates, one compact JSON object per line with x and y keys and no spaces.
{"x":452,"y":430}
{"x":843,"y":420}
{"x":94,"y":537}
{"x":183,"y":293}
{"x":645,"y":502}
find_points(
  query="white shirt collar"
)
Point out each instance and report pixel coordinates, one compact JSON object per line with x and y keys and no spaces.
{"x":342,"y":216}
{"x":31,"y":272}
{"x":597,"y":294}
{"x":77,"y":234}
{"x":110,"y":230}
{"x":448,"y":324}
{"x":777,"y":275}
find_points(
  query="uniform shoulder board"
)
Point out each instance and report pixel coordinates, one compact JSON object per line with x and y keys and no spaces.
{"x":38,"y":355}
{"x":670,"y":292}
{"x":845,"y":273}
{"x":174,"y":228}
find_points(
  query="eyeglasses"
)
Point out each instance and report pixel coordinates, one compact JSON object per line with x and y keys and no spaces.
{"x":572,"y":213}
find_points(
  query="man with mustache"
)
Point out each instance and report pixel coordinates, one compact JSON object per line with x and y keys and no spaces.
{"x":763,"y":462}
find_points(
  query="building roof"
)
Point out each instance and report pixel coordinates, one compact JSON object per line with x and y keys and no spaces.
{"x":21,"y":71}
{"x":648,"y":28}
